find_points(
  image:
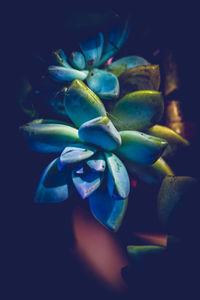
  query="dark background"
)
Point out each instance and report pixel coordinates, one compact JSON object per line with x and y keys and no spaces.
{"x":38,"y":264}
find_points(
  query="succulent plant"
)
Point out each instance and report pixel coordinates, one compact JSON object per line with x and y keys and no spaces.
{"x":101,"y":144}
{"x":93,"y":63}
{"x":94,"y":153}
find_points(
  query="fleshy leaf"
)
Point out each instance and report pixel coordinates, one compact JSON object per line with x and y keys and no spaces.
{"x":77,"y":60}
{"x":106,"y":210}
{"x":145,"y":254}
{"x":49,"y":121}
{"x":152,"y":174}
{"x":60,"y":58}
{"x":62,"y":74}
{"x":119,"y":66}
{"x":174,"y":191}
{"x":74,"y":154}
{"x":114,"y":41}
{"x":100,"y":132}
{"x":139,"y":78}
{"x":140,"y":147}
{"x":87,"y":182}
{"x":103,"y":83}
{"x":54,"y":184}
{"x":49,"y":138}
{"x":118,"y":179}
{"x":82,"y":104}
{"x":174,"y":139}
{"x":138,"y":110}
{"x":92,"y":49}
{"x":96,"y":163}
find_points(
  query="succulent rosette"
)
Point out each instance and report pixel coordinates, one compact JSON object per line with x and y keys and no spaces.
{"x":92,"y":63}
{"x":87,"y":64}
{"x":128,"y":87}
{"x":97,"y":151}
{"x":113,"y":109}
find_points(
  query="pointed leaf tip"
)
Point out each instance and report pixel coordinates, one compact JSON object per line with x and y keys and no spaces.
{"x":43,"y":136}
{"x":106,"y":210}
{"x":100,"y":132}
{"x":92,"y":49}
{"x":82,"y":104}
{"x":54,"y":184}
{"x":140,"y":147}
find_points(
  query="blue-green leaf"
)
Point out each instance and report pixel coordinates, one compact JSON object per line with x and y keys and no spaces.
{"x":74,"y":154}
{"x":106,"y":210}
{"x":103,"y":83}
{"x":50,"y":138}
{"x":92,"y":49}
{"x":54,"y":184}
{"x":100,"y":132}
{"x":82,"y":104}
{"x":77,"y":60}
{"x":86,"y":182}
{"x":96,"y":163}
{"x":118,"y":179}
{"x":62,"y":74}
{"x":140,"y":147}
{"x":114,"y":41}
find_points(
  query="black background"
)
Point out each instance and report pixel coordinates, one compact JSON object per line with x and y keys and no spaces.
{"x":38,"y":264}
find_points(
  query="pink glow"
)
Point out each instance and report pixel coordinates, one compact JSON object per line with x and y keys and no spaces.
{"x":99,"y":250}
{"x":133,"y":182}
{"x":159,"y":239}
{"x":109,"y":61}
{"x":156,"y":52}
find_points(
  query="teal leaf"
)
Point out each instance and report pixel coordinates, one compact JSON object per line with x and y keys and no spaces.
{"x":60,"y":58}
{"x":140,"y":147}
{"x":100,"y":132}
{"x":92,"y":49}
{"x":103,"y":83}
{"x":77,"y":60}
{"x":54,"y":184}
{"x":106,"y":210}
{"x":49,"y":138}
{"x":74,"y":154}
{"x":114,"y":41}
{"x":119,"y":66}
{"x":62,"y":74}
{"x":86,"y":182}
{"x":118,"y":179}
{"x":50,"y":121}
{"x":96,"y":163}
{"x":82,"y":104}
